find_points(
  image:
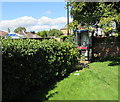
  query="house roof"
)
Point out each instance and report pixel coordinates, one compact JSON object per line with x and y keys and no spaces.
{"x":36,"y":36}
{"x":32,"y":35}
{"x":64,"y":28}
{"x":21,"y":33}
{"x":11,"y":35}
{"x":29,"y":35}
{"x":2,"y":33}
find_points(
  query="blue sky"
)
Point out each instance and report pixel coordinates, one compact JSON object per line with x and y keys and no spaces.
{"x":11,"y":10}
{"x":35,"y":16}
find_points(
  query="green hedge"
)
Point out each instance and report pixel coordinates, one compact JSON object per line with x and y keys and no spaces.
{"x":63,"y":37}
{"x":71,"y":39}
{"x":31,"y":63}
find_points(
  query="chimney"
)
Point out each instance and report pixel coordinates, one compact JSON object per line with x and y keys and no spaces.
{"x":8,"y":30}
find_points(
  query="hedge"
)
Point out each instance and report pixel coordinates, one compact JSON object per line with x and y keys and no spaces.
{"x":31,"y":63}
{"x":63,"y":37}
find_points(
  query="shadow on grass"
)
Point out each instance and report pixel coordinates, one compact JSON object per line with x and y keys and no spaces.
{"x":38,"y":94}
{"x":51,"y":95}
{"x":114,"y":60}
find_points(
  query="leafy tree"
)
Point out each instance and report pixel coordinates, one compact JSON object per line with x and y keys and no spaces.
{"x":73,"y":25}
{"x":42,"y":33}
{"x":71,"y":39}
{"x":55,"y":32}
{"x":20,"y":29}
{"x":32,"y":32}
{"x":85,"y":12}
{"x":111,"y":15}
{"x":92,"y":13}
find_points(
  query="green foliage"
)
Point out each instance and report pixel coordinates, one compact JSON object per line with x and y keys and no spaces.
{"x":42,"y":33}
{"x":1,"y":37}
{"x":85,"y":12}
{"x":104,"y":13}
{"x":55,"y":32}
{"x":74,"y":25}
{"x":20,"y":29}
{"x":51,"y":32}
{"x":116,"y":34}
{"x":31,"y":63}
{"x":71,"y":39}
{"x":107,"y":22}
{"x":63,"y":37}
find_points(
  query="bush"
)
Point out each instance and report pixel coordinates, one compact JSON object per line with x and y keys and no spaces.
{"x":71,"y":39}
{"x":63,"y":37}
{"x":31,"y":63}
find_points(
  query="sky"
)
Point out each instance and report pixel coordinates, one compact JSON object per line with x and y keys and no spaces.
{"x":34,"y":16}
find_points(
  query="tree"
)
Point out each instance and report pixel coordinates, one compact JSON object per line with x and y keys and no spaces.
{"x":20,"y":29}
{"x":111,"y":15}
{"x":55,"y":32}
{"x":85,"y":12}
{"x":73,"y":26}
{"x":42,"y":33}
{"x":33,"y":32}
{"x":92,"y":13}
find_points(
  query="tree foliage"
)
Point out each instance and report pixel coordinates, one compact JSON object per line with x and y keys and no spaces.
{"x":85,"y":12}
{"x":51,"y":32}
{"x":55,"y":32}
{"x":73,"y":25}
{"x":101,"y":13}
{"x":110,"y":16}
{"x":20,"y":29}
{"x":42,"y":33}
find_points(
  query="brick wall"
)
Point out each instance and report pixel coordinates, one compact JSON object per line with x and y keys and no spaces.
{"x":104,"y":47}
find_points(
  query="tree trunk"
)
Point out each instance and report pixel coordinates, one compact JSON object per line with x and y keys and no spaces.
{"x":118,"y":26}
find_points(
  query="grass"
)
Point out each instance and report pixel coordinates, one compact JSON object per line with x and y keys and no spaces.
{"x":99,"y":82}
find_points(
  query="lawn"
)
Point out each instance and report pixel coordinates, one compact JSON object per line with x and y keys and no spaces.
{"x":98,"y":82}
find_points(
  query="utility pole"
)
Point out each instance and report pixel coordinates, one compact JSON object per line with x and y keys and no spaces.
{"x":67,"y":18}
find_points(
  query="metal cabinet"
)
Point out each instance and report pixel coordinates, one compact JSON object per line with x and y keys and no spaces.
{"x":84,"y":42}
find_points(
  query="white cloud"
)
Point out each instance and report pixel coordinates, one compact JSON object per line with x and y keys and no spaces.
{"x":33,"y":24}
{"x":41,"y":27}
{"x":48,"y":12}
{"x":12,"y":24}
{"x":48,"y":21}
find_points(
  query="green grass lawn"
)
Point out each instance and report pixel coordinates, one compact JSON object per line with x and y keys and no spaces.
{"x":99,"y":82}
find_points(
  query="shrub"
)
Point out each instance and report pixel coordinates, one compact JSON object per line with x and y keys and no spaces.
{"x":63,"y":37}
{"x":71,"y":39}
{"x":31,"y":63}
